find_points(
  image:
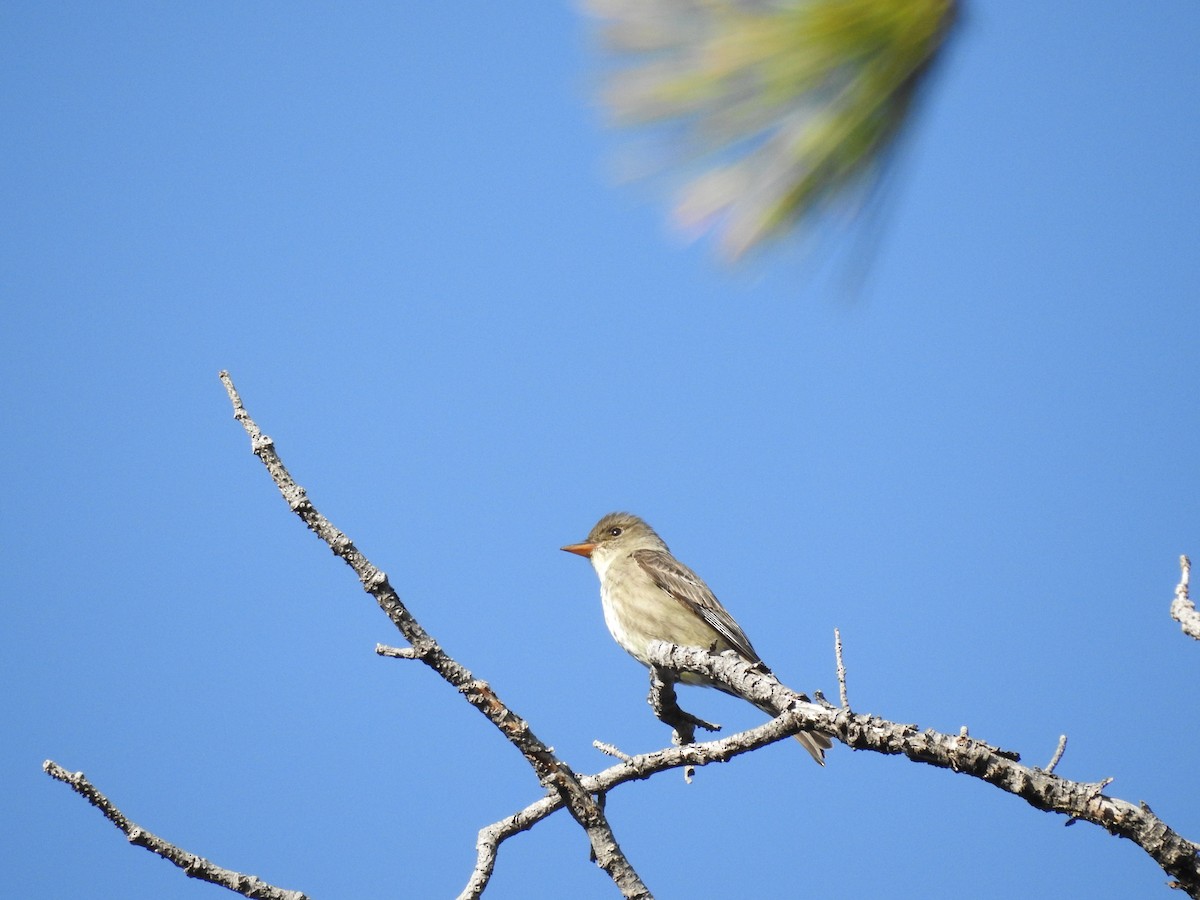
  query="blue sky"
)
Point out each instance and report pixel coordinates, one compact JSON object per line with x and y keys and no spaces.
{"x":396,"y":229}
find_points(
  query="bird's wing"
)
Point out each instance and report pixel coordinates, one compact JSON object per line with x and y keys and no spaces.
{"x":687,"y":587}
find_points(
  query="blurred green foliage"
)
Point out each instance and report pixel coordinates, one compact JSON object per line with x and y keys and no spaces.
{"x":779,"y":109}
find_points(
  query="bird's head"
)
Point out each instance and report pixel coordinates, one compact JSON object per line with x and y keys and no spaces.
{"x":615,"y":534}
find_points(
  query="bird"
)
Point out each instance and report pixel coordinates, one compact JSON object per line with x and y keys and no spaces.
{"x":648,"y":595}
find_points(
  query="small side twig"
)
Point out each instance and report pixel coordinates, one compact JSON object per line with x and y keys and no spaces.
{"x":1183,"y":610}
{"x":841,"y":669}
{"x":1058,"y":754}
{"x":395,"y":652}
{"x":193,"y":866}
{"x":611,"y":750}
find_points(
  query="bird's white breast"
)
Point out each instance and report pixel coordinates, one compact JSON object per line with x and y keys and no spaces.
{"x":617,"y":602}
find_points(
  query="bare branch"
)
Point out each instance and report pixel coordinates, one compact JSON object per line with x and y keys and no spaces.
{"x":1183,"y":610}
{"x":193,"y":866}
{"x":1080,"y":801}
{"x":551,"y":771}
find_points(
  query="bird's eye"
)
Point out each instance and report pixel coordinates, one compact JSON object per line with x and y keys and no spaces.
{"x":615,"y":532}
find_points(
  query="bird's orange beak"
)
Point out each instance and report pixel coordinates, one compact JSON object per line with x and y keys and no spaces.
{"x":584,"y":549}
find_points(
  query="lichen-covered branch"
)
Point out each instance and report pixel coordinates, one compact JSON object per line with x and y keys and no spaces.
{"x":1183,"y":610}
{"x":843,"y":695}
{"x":1080,"y":801}
{"x":193,"y":866}
{"x":551,"y":772}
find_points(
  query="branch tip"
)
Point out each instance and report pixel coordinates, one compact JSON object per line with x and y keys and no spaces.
{"x":194,"y":866}
{"x":1183,"y":610}
{"x":1058,"y":754}
{"x":611,"y":750}
{"x":396,"y":652}
{"x":841,"y":669}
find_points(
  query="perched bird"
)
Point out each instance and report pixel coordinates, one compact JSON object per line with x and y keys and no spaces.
{"x":649,"y":595}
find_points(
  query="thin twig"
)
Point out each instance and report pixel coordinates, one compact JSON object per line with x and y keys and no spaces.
{"x":193,"y":866}
{"x":1183,"y":610}
{"x":395,"y":652}
{"x":1058,"y":754}
{"x":611,"y":750}
{"x":841,"y":669}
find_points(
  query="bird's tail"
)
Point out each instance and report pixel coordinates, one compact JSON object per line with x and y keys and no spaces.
{"x":816,"y":743}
